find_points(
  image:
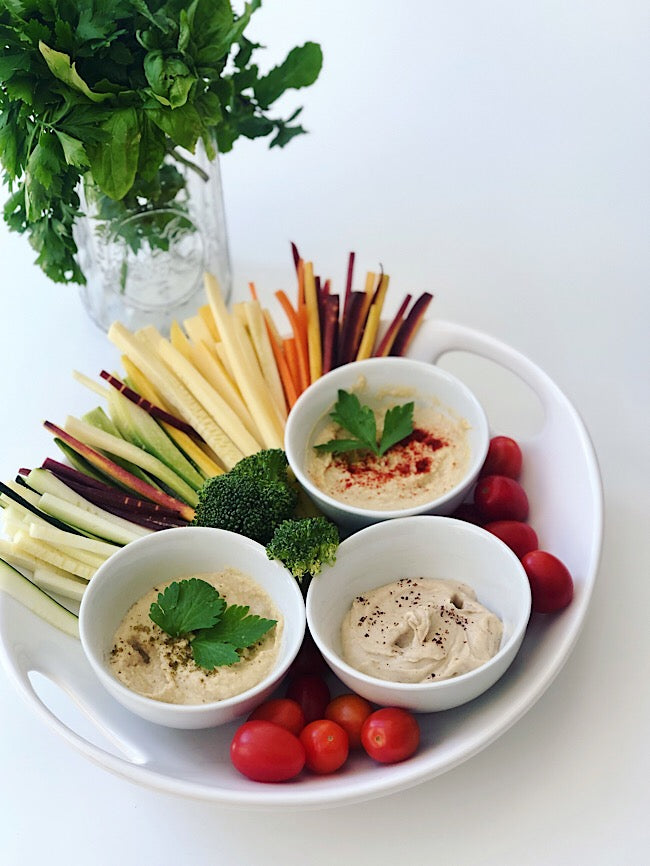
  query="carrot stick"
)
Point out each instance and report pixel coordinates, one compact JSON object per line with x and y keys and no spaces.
{"x":300,"y":336}
{"x":348,"y":284}
{"x":330,"y":332}
{"x":386,"y":342}
{"x":301,"y":284}
{"x":288,"y":384}
{"x":295,"y":254}
{"x":410,"y":325}
{"x":253,"y":291}
{"x":291,"y":355}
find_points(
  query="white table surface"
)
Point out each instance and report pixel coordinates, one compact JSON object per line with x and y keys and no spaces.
{"x":495,"y":154}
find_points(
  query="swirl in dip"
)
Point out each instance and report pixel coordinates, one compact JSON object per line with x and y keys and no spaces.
{"x":418,"y":630}
{"x":432,"y":460}
{"x":158,"y":666}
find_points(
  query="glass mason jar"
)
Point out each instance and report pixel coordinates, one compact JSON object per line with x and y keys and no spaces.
{"x":144,"y":258}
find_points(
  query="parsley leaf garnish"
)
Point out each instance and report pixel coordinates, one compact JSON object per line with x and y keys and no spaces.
{"x":187,"y":606}
{"x":194,"y":609}
{"x":359,"y":420}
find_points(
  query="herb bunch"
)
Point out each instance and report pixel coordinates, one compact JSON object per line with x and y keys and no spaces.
{"x":112,"y":90}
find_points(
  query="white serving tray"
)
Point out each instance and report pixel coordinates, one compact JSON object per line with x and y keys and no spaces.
{"x":562,"y":480}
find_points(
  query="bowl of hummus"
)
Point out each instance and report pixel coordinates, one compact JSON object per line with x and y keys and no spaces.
{"x":423,"y":612}
{"x":428,"y":470}
{"x":191,"y":627}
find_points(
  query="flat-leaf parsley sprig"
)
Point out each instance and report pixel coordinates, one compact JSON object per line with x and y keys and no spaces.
{"x":359,"y":420}
{"x":194,"y":609}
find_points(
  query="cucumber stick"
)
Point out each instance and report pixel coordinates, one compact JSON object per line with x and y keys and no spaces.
{"x":44,"y":482}
{"x":121,"y":448}
{"x":99,"y":419}
{"x":137,"y":425}
{"x":80,"y":518}
{"x":27,"y":593}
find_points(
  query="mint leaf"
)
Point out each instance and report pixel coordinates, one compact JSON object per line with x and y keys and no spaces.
{"x":398,"y":424}
{"x":359,"y":420}
{"x":186,"y":606}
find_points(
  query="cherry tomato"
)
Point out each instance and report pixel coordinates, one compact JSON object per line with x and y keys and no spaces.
{"x":312,"y":693}
{"x":326,"y":746}
{"x":468,"y":512}
{"x":350,"y":712}
{"x":503,"y":458}
{"x":390,"y":735}
{"x":520,"y":537}
{"x":551,"y":584}
{"x":265,"y":752}
{"x":498,"y":497}
{"x":281,"y":711}
{"x":309,"y":659}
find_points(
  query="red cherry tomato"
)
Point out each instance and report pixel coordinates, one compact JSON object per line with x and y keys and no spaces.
{"x":390,"y":735}
{"x":326,"y":746}
{"x":309,"y":659}
{"x":551,"y":584}
{"x":520,"y":537}
{"x":498,"y":497}
{"x":503,"y":458}
{"x":265,"y":752}
{"x":312,"y":693}
{"x":281,"y":711}
{"x":350,"y":712}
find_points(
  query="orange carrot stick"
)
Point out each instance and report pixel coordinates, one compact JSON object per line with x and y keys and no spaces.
{"x":298,"y":326}
{"x":288,"y":384}
{"x":253,"y":291}
{"x":291,"y":356}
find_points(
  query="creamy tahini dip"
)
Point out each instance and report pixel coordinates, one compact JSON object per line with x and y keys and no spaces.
{"x":433,"y":459}
{"x":152,"y":663}
{"x":419,"y":630}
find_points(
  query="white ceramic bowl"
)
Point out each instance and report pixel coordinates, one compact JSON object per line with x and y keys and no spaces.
{"x":430,"y":547}
{"x":177,"y":553}
{"x":419,"y":381}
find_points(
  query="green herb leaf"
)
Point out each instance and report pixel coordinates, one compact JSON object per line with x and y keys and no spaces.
{"x":186,"y":606}
{"x":209,"y":653}
{"x":359,"y":420}
{"x":193,"y":605}
{"x":398,"y":424}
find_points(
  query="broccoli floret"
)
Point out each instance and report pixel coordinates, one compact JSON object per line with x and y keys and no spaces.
{"x":244,"y":504}
{"x":304,"y":546}
{"x":268,"y":465}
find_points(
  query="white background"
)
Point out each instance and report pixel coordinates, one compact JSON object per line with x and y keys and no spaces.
{"x":495,"y":154}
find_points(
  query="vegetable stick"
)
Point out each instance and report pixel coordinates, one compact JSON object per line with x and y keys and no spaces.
{"x":155,"y":411}
{"x":296,"y":327}
{"x":198,"y":332}
{"x":295,"y":254}
{"x":313,"y":324}
{"x":197,"y":454}
{"x":330,"y":332}
{"x":301,"y":283}
{"x":291,"y":354}
{"x":95,"y":438}
{"x":249,"y":379}
{"x":179,"y":340}
{"x":215,"y":373}
{"x":288,"y":384}
{"x":210,"y":399}
{"x":224,"y":360}
{"x":263,"y":350}
{"x":41,"y":550}
{"x":46,"y":532}
{"x":206,"y":314}
{"x":369,"y":333}
{"x":56,"y":580}
{"x":348,"y":284}
{"x":90,"y":383}
{"x":171,"y":388}
{"x":350,"y":326}
{"x":410,"y":324}
{"x":386,"y":342}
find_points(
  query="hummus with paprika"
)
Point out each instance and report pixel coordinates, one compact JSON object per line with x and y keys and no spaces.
{"x":431,"y":460}
{"x":148,"y":661}
{"x":419,"y":630}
